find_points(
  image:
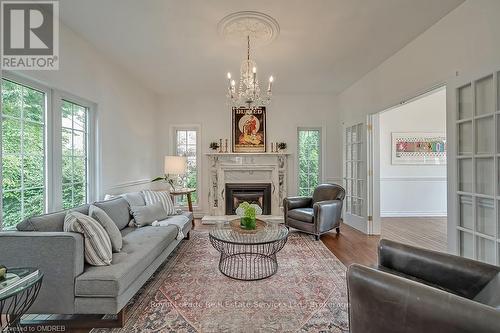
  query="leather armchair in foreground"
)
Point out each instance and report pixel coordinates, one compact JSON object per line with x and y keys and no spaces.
{"x":417,"y":290}
{"x":317,"y":214}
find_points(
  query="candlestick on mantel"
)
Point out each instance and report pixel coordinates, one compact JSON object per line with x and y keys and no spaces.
{"x":225,"y":150}
{"x":220,"y":146}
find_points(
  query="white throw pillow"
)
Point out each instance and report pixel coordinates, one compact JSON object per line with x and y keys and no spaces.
{"x":153,"y":197}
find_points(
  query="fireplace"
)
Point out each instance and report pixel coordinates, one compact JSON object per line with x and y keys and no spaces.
{"x":257,"y":193}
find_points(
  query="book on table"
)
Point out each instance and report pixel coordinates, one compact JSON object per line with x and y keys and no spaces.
{"x":17,"y":279}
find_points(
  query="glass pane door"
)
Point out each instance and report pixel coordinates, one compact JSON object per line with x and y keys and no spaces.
{"x":478,"y":176}
{"x":354,"y":171}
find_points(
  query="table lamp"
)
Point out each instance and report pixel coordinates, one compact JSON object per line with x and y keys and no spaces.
{"x":174,"y":165}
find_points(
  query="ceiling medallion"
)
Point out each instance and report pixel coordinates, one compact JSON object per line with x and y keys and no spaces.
{"x":260,"y":29}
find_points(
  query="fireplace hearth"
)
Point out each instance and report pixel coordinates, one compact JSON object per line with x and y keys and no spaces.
{"x":256,"y":193}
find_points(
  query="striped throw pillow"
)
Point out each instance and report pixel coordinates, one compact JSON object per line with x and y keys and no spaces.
{"x":152,"y":197}
{"x":97,"y":245}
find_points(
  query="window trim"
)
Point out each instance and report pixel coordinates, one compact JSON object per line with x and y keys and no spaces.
{"x":173,"y":151}
{"x":53,"y":144}
{"x":320,"y":129}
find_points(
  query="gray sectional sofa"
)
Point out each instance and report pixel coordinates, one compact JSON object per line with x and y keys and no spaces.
{"x":72,"y":287}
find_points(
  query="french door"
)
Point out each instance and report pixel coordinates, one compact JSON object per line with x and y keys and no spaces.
{"x":477,"y":173}
{"x":355,"y":176}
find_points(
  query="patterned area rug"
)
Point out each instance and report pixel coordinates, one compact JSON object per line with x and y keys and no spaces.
{"x":189,"y":294}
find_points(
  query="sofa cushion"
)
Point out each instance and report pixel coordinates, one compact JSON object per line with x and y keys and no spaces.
{"x":302,"y":214}
{"x":117,"y":209}
{"x":152,"y":197}
{"x":49,"y":222}
{"x":146,"y":215}
{"x":490,"y":294}
{"x":107,"y":223}
{"x":97,"y":245}
{"x":127,"y":231}
{"x":140,"y":248}
{"x":134,"y":198}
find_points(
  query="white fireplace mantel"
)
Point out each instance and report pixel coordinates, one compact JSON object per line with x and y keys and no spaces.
{"x":247,"y":168}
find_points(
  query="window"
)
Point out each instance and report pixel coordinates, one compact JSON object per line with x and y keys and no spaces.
{"x":45,"y":150}
{"x":186,"y":144}
{"x":74,"y":154}
{"x":23,"y":152}
{"x":309,"y":151}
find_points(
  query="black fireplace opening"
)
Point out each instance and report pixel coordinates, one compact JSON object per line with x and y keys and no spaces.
{"x":255,"y":193}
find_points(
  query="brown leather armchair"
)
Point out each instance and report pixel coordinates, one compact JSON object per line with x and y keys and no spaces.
{"x":317,"y":214}
{"x":417,"y":290}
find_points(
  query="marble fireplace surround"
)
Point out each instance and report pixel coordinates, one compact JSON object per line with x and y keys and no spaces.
{"x":225,"y":168}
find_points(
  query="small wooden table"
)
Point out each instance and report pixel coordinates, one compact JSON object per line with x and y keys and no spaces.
{"x":187,"y":192}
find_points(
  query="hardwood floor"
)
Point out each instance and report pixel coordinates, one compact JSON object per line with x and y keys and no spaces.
{"x":426,"y":232}
{"x":352,"y":246}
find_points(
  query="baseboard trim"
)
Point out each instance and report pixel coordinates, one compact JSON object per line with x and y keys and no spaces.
{"x":412,"y":214}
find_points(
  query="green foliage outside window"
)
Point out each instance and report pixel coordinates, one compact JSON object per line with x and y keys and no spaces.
{"x":309,"y":161}
{"x":74,"y":154}
{"x":23,"y":153}
{"x":186,"y":146}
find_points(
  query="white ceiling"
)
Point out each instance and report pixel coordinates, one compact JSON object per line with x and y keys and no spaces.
{"x":324,"y":46}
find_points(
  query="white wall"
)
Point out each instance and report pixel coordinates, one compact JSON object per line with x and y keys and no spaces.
{"x":412,"y":190}
{"x":284,"y":115}
{"x":126,"y":111}
{"x":461,"y":44}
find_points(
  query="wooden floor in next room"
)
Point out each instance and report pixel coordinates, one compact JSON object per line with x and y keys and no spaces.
{"x":353,"y":246}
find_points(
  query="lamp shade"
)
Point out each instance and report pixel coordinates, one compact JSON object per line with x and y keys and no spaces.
{"x":175,"y":165}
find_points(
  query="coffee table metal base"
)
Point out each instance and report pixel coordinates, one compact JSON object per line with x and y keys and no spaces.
{"x":248,"y":266}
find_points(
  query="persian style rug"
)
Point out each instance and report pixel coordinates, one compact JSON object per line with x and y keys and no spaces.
{"x":189,"y":294}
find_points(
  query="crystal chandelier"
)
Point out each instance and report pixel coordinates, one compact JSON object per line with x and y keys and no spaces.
{"x":249,"y":92}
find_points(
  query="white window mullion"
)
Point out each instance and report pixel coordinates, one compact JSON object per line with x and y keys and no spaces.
{"x":53,"y":158}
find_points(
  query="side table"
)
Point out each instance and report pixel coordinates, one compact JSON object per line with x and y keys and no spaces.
{"x":185,"y":191}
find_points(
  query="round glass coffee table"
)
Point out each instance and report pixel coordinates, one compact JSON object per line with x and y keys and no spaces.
{"x":248,"y":255}
{"x":18,"y":294}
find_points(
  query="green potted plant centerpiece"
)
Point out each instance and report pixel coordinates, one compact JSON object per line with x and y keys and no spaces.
{"x":247,"y":213}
